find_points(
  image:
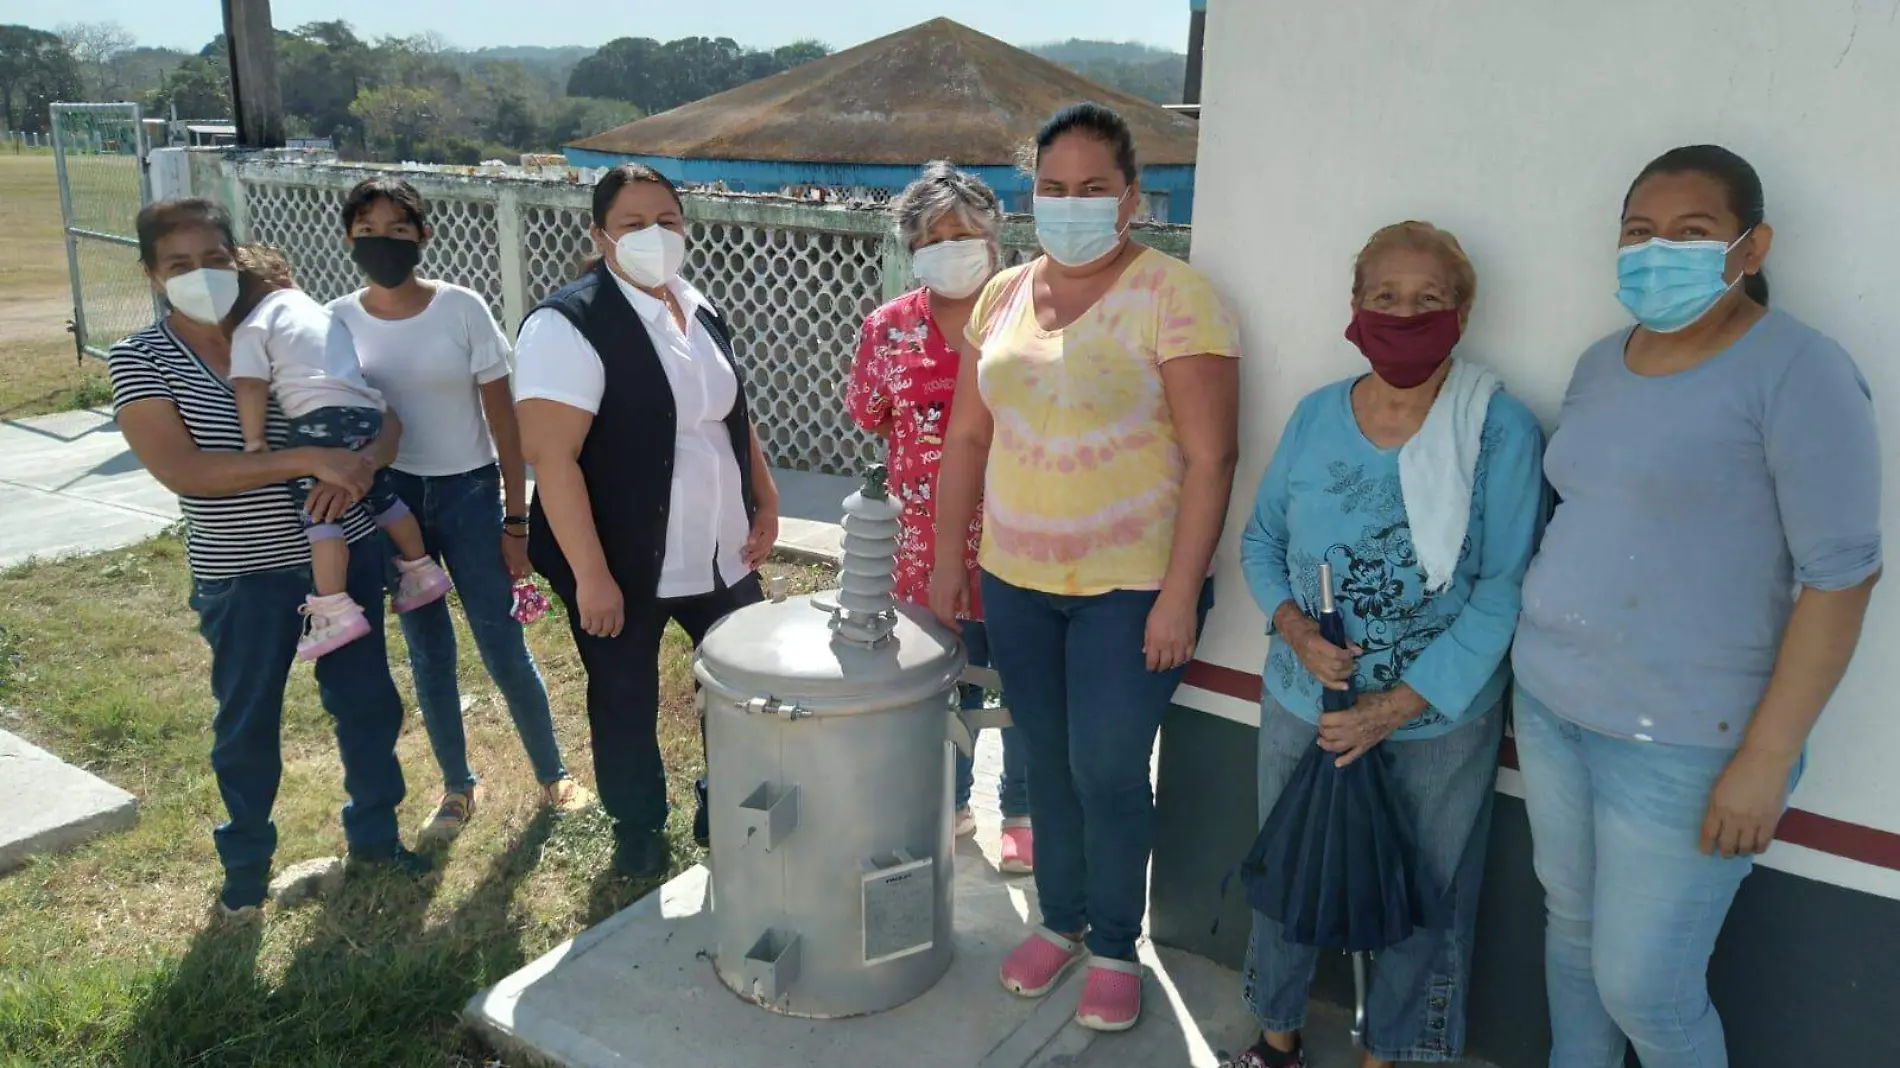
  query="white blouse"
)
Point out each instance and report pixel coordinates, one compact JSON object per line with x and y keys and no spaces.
{"x":706,"y":524}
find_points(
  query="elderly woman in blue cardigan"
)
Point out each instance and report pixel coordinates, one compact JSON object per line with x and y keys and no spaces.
{"x":1420,"y":484}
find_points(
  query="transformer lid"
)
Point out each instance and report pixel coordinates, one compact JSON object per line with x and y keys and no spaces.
{"x":788,"y":651}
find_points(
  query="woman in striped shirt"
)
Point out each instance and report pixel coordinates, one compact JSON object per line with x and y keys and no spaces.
{"x":249,"y":558}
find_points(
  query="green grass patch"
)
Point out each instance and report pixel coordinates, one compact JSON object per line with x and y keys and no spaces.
{"x":107,"y":953}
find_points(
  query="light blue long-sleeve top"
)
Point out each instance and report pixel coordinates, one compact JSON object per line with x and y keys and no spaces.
{"x":1330,"y":495}
{"x":1693,"y":505}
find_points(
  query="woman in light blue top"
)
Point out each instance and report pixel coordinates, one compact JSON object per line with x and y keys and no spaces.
{"x":1696,"y":600}
{"x":1420,"y":484}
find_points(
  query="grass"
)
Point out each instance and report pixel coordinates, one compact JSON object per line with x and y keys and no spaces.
{"x":106,"y":954}
{"x":40,"y":371}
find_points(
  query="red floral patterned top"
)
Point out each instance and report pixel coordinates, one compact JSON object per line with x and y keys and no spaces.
{"x":905,"y":374}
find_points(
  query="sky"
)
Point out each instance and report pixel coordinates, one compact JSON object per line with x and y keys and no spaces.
{"x":188,"y":24}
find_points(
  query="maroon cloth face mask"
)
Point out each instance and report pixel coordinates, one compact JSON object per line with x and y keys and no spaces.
{"x":1405,"y":350}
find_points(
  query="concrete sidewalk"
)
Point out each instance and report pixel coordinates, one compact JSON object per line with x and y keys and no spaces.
{"x":69,"y":485}
{"x":810,"y":509}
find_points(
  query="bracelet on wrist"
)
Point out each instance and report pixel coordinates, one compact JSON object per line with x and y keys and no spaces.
{"x":514,"y":521}
{"x":511,"y":532}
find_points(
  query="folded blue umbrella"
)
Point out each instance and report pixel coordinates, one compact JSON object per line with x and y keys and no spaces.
{"x":1335,"y":863}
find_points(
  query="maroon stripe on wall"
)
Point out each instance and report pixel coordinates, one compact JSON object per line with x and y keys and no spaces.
{"x":1851,"y":841}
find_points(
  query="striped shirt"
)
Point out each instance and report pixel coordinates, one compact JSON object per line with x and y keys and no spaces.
{"x":258,"y":530}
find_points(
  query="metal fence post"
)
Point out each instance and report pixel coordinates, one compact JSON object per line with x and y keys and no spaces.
{"x":514,"y":274}
{"x":895,"y":267}
{"x":66,"y":230}
{"x":233,"y":193}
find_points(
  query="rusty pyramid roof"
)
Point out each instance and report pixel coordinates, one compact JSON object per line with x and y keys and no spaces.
{"x":939,"y":90}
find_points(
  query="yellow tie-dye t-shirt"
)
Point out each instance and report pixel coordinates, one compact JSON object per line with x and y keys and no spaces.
{"x":1084,"y":475}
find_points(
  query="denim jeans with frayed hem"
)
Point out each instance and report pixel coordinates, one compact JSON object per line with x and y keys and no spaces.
{"x":1633,"y":905}
{"x":252,"y":624}
{"x":1080,"y":691}
{"x":461,"y":527}
{"x":1012,"y":791}
{"x":1420,"y":988}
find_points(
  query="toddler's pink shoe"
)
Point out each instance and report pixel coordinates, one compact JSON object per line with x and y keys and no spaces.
{"x":330,"y":623}
{"x":419,"y":582}
{"x":1111,"y":998}
{"x":1035,"y":967}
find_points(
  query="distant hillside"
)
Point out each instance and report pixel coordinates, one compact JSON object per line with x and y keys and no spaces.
{"x":569,"y":54}
{"x":550,"y":67}
{"x":1152,"y":73}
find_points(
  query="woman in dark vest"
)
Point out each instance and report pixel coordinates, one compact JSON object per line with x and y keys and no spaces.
{"x":653,"y":501}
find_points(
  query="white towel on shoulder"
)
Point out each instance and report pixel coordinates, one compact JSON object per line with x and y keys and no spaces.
{"x":1438,"y":467}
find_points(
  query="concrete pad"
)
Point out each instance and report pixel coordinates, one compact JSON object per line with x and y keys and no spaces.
{"x":48,"y":805}
{"x":639,"y":990}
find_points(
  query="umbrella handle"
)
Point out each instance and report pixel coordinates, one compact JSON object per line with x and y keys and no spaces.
{"x":1359,"y":1000}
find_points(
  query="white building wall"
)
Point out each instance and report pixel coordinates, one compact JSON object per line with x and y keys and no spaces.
{"x":1518,"y":125}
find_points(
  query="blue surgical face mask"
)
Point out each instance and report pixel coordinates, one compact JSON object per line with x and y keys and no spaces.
{"x":1078,"y":230}
{"x":1669,"y":285}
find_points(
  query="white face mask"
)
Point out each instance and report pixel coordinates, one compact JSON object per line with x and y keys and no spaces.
{"x":651,"y":257}
{"x":953,"y":269}
{"x":205,"y":295}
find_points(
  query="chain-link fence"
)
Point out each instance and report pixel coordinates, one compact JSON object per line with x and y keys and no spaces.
{"x":99,"y":151}
{"x":795,"y":279}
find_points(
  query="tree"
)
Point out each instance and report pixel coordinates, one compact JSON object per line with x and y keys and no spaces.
{"x":398,"y":119}
{"x":657,"y":77}
{"x":626,"y":68}
{"x":35,"y":71}
{"x":576,"y":118}
{"x":699,"y":67}
{"x":504,"y":104}
{"x":783,"y":58}
{"x":199,"y":88}
{"x":321,"y":67}
{"x":94,"y":45}
{"x":799,"y":53}
{"x":136,"y":73}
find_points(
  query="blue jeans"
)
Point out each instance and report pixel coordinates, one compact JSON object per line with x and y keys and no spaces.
{"x":355,"y":429}
{"x":1633,"y":904}
{"x":461,"y":527}
{"x":1081,"y":692}
{"x":252,"y":625}
{"x":1012,"y":791}
{"x":1415,"y":1009}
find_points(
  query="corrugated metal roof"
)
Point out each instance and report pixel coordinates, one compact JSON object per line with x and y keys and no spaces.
{"x":939,"y":90}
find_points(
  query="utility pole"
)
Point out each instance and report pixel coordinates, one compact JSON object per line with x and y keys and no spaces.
{"x":255,"y":96}
{"x":1197,"y":38}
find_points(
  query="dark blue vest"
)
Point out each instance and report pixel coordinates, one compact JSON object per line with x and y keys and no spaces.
{"x":627,"y":459}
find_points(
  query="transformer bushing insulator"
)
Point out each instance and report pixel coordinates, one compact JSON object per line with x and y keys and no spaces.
{"x":867,"y":607}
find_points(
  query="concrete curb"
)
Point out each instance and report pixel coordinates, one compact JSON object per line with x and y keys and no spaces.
{"x":47,"y":805}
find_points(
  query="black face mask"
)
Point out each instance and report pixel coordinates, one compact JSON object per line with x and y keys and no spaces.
{"x":388,"y":261}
